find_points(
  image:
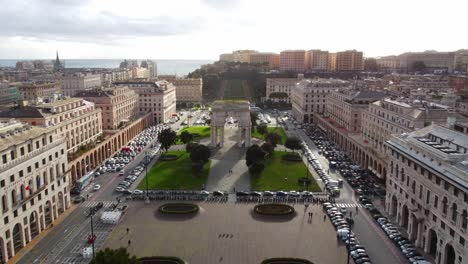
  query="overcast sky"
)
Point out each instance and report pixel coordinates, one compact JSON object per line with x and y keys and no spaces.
{"x":202,"y":29}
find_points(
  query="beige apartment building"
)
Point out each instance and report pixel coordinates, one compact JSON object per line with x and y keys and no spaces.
{"x":117,"y":75}
{"x":272,"y":59}
{"x":158,"y":98}
{"x":118,"y":105}
{"x":294,"y":60}
{"x":9,"y":93}
{"x":226,"y":57}
{"x":33,"y":183}
{"x":242,"y":56}
{"x":33,"y":91}
{"x":281,"y":85}
{"x":427,"y":191}
{"x":309,"y":97}
{"x":74,"y":119}
{"x":349,"y":60}
{"x":140,"y":73}
{"x":318,"y":60}
{"x":332,"y":62}
{"x":77,"y":82}
{"x":188,"y":90}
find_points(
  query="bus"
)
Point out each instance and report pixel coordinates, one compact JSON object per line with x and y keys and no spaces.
{"x":85,"y":180}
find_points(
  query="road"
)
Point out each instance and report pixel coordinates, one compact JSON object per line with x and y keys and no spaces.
{"x":64,"y":242}
{"x":379,"y":247}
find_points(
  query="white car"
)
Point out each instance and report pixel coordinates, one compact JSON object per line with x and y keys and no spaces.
{"x":96,"y":187}
{"x":137,"y":191}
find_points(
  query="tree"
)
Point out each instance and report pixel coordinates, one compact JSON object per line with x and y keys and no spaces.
{"x":293,"y":143}
{"x":190,"y":146}
{"x":167,"y":138}
{"x":114,"y":256}
{"x":256,"y":168}
{"x":262,"y":129}
{"x":200,"y":153}
{"x":186,"y":137}
{"x":273,"y":138}
{"x":419,"y":66}
{"x":254,"y":154}
{"x":253,"y":118}
{"x":267,"y":148}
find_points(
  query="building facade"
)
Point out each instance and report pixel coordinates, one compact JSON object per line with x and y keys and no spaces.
{"x":118,"y":105}
{"x":332,"y":62}
{"x":427,"y":191}
{"x":308,"y":97}
{"x":33,"y":184}
{"x":272,"y":59}
{"x":74,"y":119}
{"x":33,"y":91}
{"x":9,"y":93}
{"x":74,"y":83}
{"x":293,"y":60}
{"x":277,"y":87}
{"x":318,"y":60}
{"x":349,"y":60}
{"x":158,"y":98}
{"x":188,"y":90}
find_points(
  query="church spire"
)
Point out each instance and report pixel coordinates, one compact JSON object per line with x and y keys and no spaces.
{"x":57,"y":65}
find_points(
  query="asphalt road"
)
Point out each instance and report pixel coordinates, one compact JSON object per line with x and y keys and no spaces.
{"x":379,"y":247}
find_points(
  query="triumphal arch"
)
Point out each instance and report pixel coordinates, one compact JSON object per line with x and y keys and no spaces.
{"x":237,"y":109}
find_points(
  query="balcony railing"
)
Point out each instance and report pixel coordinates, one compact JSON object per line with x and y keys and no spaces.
{"x":30,"y":155}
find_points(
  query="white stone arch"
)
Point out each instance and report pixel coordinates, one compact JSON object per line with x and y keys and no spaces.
{"x":238,"y":109}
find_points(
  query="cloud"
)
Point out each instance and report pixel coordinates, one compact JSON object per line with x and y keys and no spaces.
{"x":221,"y":4}
{"x":70,"y":21}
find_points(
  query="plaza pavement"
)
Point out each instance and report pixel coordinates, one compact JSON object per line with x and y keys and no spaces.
{"x":227,"y":233}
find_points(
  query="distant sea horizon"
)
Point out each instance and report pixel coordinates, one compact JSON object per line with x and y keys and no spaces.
{"x":177,"y":67}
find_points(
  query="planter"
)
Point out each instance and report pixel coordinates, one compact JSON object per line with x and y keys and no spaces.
{"x":179,"y":208}
{"x":160,"y":260}
{"x":274,"y":209}
{"x":292,"y":157}
{"x":286,"y":261}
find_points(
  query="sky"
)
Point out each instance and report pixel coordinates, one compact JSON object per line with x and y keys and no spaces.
{"x":203,"y":29}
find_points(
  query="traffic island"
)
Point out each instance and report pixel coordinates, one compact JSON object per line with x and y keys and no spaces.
{"x":274,"y":209}
{"x":286,"y":261}
{"x":179,"y":208}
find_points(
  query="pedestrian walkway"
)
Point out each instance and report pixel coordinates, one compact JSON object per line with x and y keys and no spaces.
{"x":348,"y":205}
{"x":94,"y":203}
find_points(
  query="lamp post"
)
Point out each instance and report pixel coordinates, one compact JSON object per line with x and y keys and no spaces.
{"x":146,"y":176}
{"x":93,"y":237}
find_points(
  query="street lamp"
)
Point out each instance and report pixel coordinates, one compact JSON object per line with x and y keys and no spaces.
{"x":146,"y":176}
{"x":92,"y":238}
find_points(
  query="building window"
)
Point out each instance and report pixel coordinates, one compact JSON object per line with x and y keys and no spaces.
{"x":436,"y":201}
{"x":444,"y":205}
{"x":464,"y":219}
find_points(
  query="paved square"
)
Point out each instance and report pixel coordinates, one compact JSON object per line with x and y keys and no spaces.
{"x":227,"y":233}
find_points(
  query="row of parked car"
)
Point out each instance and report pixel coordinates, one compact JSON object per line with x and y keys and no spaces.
{"x":365,"y":186}
{"x":333,"y":186}
{"x":343,"y":225}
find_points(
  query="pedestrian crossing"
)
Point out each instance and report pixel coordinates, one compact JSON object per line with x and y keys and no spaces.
{"x":353,"y":205}
{"x":89,"y":204}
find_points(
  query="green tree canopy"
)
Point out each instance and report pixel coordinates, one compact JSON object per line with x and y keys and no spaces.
{"x":262,"y":129}
{"x":200,"y":153}
{"x":186,"y":137}
{"x":190,"y":146}
{"x":293,"y":143}
{"x":273,"y":138}
{"x":279,"y":95}
{"x":114,"y":256}
{"x":419,"y":66}
{"x":254,"y":154}
{"x":167,"y":138}
{"x":267,"y":148}
{"x":256,"y":168}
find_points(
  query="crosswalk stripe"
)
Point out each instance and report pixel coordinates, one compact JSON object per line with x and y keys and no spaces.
{"x":94,"y":203}
{"x":347,"y":205}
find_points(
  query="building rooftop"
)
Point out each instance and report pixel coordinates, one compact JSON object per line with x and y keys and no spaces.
{"x":13,"y":132}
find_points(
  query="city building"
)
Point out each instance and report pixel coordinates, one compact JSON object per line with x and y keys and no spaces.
{"x":14,"y":75}
{"x":458,"y":82}
{"x":152,"y":68}
{"x":9,"y":93}
{"x":158,"y":98}
{"x":318,"y":60}
{"x":294,"y":60}
{"x":108,"y":77}
{"x":242,"y":56}
{"x":188,"y":90}
{"x":33,"y":183}
{"x":74,"y":119}
{"x":226,"y":57}
{"x":119,"y":105}
{"x":34,"y":91}
{"x":332,"y":62}
{"x":461,"y":60}
{"x":279,"y":89}
{"x":349,"y":60}
{"x":427,"y":191}
{"x":77,"y":82}
{"x":308,"y":97}
{"x":271,"y":59}
{"x":432,"y":61}
{"x":140,"y":73}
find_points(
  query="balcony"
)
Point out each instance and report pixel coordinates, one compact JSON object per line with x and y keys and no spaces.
{"x":29,"y":197}
{"x":30,"y":155}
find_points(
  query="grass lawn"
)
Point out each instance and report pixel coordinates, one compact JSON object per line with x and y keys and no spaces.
{"x":202,"y":131}
{"x":277,"y":130}
{"x":234,"y":90}
{"x":275,"y":172}
{"x":176,"y":174}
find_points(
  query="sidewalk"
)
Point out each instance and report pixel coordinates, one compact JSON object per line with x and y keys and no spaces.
{"x":41,"y":235}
